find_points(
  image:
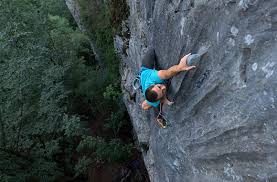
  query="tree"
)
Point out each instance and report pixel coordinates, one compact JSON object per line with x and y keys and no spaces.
{"x":41,"y":70}
{"x":36,"y":50}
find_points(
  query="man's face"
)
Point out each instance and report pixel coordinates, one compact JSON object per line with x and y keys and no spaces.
{"x":160,"y":89}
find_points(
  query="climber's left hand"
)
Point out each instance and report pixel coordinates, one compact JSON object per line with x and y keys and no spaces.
{"x":183,"y":64}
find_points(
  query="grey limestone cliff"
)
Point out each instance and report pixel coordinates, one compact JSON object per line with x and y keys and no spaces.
{"x":223,"y":125}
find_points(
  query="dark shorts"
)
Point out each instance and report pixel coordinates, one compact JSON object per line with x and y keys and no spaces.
{"x":149,"y":60}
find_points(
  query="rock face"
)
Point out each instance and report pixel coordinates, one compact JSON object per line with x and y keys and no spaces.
{"x":223,"y":125}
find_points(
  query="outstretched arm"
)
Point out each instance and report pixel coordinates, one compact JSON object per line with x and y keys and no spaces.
{"x":174,"y":70}
{"x":145,"y":105}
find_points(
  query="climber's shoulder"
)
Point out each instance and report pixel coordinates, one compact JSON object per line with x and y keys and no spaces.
{"x":163,"y":74}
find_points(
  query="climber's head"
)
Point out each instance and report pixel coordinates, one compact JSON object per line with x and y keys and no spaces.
{"x":155,"y":92}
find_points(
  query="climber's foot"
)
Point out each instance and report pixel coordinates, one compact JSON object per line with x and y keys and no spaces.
{"x":161,"y":121}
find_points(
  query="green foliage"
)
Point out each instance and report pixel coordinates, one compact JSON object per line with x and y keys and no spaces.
{"x":72,"y":126}
{"x":104,"y":19}
{"x":82,"y":166}
{"x":42,"y":70}
{"x":117,"y":118}
{"x":93,"y":85}
{"x":37,"y":50}
{"x":113,"y":151}
{"x":113,"y":91}
{"x":116,"y":121}
{"x":119,"y":11}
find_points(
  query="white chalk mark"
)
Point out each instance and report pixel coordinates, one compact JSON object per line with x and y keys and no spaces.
{"x":234,"y":31}
{"x":217,"y":37}
{"x":267,"y":69}
{"x":182,"y":25}
{"x":248,"y":39}
{"x":254,"y":66}
{"x":243,"y":4}
{"x":231,"y":42}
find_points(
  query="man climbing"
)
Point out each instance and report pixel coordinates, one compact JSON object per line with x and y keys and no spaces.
{"x":153,"y":81}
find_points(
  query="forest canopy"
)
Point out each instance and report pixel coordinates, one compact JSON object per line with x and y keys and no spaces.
{"x":51,"y":89}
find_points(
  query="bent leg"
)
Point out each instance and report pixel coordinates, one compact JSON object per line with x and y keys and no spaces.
{"x":149,"y":60}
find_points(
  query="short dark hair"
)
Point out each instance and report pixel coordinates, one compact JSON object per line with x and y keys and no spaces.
{"x":151,"y":95}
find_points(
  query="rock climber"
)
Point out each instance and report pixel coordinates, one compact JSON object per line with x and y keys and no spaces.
{"x":153,"y":82}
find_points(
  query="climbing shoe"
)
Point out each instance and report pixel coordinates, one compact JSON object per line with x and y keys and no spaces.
{"x":161,"y":121}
